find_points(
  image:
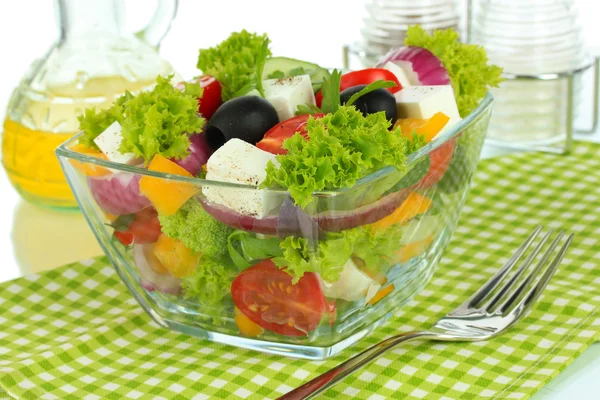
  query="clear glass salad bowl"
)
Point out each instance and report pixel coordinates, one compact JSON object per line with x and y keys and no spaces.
{"x":319,"y":315}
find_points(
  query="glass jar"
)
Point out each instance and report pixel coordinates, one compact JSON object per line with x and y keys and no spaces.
{"x":532,"y":40}
{"x":386,"y":22}
{"x":92,"y":63}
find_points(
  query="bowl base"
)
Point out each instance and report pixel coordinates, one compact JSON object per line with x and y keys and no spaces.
{"x":265,"y":346}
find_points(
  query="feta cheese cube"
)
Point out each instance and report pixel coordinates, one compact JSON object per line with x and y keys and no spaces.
{"x":242,"y":163}
{"x":424,"y":101}
{"x":402,"y":75}
{"x":109,"y":142}
{"x":353,"y":284}
{"x":287,"y":94}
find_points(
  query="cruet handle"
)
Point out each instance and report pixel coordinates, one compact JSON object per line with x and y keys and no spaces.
{"x":160,"y":23}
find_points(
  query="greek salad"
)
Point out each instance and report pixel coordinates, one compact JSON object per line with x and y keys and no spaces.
{"x":290,"y":221}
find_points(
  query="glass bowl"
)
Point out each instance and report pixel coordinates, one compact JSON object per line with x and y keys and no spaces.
{"x":325,"y":316}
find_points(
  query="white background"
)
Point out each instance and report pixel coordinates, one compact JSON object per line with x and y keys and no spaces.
{"x":33,"y":239}
{"x":310,"y":29}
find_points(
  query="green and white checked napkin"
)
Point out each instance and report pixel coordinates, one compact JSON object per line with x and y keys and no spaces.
{"x":75,"y":333}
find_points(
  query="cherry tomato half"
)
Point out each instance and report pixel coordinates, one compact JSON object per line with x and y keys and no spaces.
{"x":145,"y":228}
{"x":364,"y":77}
{"x":266,"y":295}
{"x":211,"y":97}
{"x":274,"y":138}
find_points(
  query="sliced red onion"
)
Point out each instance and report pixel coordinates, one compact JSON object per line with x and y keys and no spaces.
{"x":419,"y":62}
{"x":118,"y":194}
{"x":293,"y":220}
{"x":149,"y":278}
{"x":331,"y":221}
{"x":199,"y":150}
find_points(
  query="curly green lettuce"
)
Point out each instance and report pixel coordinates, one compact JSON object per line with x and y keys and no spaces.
{"x":236,"y":63}
{"x":210,"y":283}
{"x":327,"y":257}
{"x":376,"y":247}
{"x":344,"y":146}
{"x":295,"y":255}
{"x":197,"y":229}
{"x":159,"y":121}
{"x":467,"y":65}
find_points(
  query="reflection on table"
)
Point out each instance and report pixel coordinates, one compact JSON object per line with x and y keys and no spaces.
{"x":44,"y":239}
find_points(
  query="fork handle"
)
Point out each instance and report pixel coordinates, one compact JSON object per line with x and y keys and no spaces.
{"x":336,"y":374}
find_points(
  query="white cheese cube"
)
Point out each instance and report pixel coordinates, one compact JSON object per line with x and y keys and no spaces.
{"x":424,"y":101}
{"x":109,"y":142}
{"x":353,"y":284}
{"x":402,"y":75}
{"x":242,"y":163}
{"x":287,"y":94}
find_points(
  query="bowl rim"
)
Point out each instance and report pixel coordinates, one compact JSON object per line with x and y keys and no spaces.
{"x":63,"y":151}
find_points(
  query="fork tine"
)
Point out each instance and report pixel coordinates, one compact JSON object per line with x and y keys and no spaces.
{"x":535,"y":292}
{"x":493,"y":301}
{"x":548,"y":271}
{"x":495,"y":280}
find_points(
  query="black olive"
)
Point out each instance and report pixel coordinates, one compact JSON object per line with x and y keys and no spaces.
{"x":247,"y":118}
{"x":373,"y":102}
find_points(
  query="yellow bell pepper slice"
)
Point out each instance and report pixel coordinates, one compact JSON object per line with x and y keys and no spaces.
{"x":414,"y":205}
{"x":426,"y":127}
{"x":89,"y":169}
{"x":246,"y":326}
{"x":381,"y":294}
{"x":175,"y":257}
{"x":166,"y":196}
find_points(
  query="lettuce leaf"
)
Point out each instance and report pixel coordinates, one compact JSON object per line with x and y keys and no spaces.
{"x":210,"y":283}
{"x":295,"y":255}
{"x":343,"y":147}
{"x":376,"y":248}
{"x":467,"y":65}
{"x":159,"y":121}
{"x":327,"y":257}
{"x":246,"y":250}
{"x":236,"y":63}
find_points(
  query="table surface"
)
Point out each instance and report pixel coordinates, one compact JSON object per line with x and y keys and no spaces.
{"x":34,"y":239}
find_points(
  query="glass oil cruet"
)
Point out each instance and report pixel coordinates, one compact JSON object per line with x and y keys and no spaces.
{"x":92,"y":63}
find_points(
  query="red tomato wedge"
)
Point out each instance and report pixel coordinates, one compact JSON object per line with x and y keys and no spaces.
{"x":211,"y":96}
{"x":364,"y":77}
{"x":265,"y":294}
{"x":274,"y":138}
{"x":145,"y":228}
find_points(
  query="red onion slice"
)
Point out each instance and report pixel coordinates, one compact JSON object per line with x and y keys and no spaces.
{"x":199,"y":150}
{"x":419,"y":62}
{"x":332,"y":221}
{"x":118,"y":194}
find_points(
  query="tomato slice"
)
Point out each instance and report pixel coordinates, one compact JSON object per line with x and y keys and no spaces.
{"x":440,"y":160}
{"x":274,"y":138}
{"x":126,"y":238}
{"x":211,"y":96}
{"x":266,"y":295}
{"x":364,"y":77}
{"x":145,"y":228}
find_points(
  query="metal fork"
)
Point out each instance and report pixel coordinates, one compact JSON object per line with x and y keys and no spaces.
{"x":487,"y":313}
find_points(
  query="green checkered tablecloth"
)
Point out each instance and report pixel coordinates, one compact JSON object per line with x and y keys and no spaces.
{"x":75,"y":333}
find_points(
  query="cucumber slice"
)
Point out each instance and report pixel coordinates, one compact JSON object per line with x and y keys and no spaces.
{"x":283,"y":67}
